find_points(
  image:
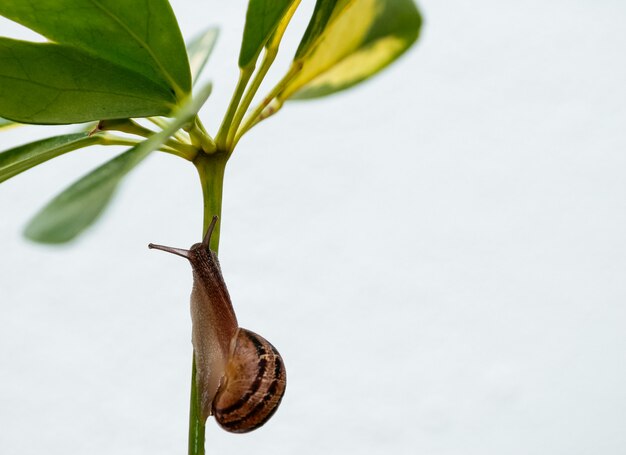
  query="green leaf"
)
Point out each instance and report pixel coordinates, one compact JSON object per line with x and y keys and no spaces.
{"x":348,"y":41}
{"x":24,"y":157}
{"x":52,"y":83}
{"x":141,"y":36}
{"x":80,"y":205}
{"x":199,"y":49}
{"x":262,"y":18}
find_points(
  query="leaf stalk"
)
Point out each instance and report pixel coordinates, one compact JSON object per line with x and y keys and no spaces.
{"x":257,"y":115}
{"x":222,"y":135}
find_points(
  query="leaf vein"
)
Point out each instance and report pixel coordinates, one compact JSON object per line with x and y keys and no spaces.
{"x":62,"y":89}
{"x":140,"y":41}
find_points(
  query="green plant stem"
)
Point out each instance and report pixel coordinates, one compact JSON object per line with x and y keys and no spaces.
{"x":6,"y":124}
{"x":201,"y":126}
{"x":128,"y":126}
{"x":158,"y":121}
{"x":199,"y":137}
{"x":196,"y":424}
{"x":222,"y":135}
{"x":211,"y":169}
{"x":255,"y":117}
{"x":268,"y":59}
{"x":186,"y":151}
{"x":172,"y":151}
{"x":162,"y":123}
{"x":271,"y":51}
{"x":111,"y":139}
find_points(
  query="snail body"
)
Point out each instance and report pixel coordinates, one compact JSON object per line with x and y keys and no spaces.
{"x":241,"y":377}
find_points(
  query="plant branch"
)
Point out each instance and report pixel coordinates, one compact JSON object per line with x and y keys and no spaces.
{"x":161,"y":123}
{"x":199,"y":136}
{"x":271,"y":51}
{"x":111,"y":139}
{"x":268,"y":59}
{"x":257,"y":115}
{"x":129,"y":126}
{"x":222,"y":135}
{"x":211,"y":169}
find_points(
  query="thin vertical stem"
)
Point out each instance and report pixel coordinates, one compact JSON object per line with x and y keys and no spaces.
{"x":211,"y":171}
{"x":196,"y":425}
{"x":222,"y":135}
{"x":268,"y":59}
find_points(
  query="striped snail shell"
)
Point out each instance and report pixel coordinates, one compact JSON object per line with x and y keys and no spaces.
{"x":241,"y":377}
{"x":253,"y":385}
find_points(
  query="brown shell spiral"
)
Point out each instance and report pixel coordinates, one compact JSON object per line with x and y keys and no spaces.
{"x":253,"y":384}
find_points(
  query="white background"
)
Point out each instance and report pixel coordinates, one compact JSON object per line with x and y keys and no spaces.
{"x":439,"y":255}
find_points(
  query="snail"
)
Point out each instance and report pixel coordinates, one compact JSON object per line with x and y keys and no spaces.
{"x":241,"y":377}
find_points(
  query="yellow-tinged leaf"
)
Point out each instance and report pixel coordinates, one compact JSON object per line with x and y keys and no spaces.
{"x":353,"y":69}
{"x":360,"y":38}
{"x":343,"y":35}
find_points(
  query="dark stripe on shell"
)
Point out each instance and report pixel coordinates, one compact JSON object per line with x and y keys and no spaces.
{"x":236,"y":425}
{"x":258,"y":380}
{"x":258,"y":344}
{"x":278,"y":366}
{"x":246,"y":396}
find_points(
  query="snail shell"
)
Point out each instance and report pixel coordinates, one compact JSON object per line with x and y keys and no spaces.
{"x":253,"y":385}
